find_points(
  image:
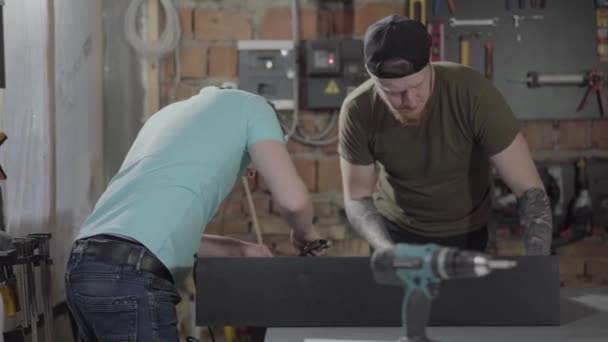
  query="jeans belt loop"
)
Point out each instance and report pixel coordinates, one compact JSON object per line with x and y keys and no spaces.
{"x":140,"y":257}
{"x":80,"y":246}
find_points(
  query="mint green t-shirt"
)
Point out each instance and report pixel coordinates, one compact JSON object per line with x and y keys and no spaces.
{"x":183,"y":163}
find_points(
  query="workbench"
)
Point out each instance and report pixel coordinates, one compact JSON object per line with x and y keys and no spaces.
{"x":583,"y":313}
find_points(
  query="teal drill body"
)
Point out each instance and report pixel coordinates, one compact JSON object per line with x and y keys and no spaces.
{"x":420,"y":269}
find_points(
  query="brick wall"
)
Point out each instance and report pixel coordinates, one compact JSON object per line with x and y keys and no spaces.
{"x":210,"y":31}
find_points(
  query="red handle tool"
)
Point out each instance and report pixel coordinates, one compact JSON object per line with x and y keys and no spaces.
{"x":595,"y":80}
{"x":489,"y":67}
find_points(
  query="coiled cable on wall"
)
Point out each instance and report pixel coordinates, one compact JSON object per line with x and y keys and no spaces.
{"x":318,"y":139}
{"x":169,"y":38}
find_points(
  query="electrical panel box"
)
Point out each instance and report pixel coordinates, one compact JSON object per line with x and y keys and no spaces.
{"x":333,"y":68}
{"x":266,"y":68}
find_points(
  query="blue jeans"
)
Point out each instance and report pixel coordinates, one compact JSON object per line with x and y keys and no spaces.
{"x":119,"y":302}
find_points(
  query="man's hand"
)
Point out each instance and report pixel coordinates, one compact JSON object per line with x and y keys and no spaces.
{"x":248,"y":249}
{"x":301,"y":239}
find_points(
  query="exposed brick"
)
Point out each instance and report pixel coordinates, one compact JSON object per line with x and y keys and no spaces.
{"x":579,"y":282}
{"x":296,"y":147}
{"x":343,"y":22}
{"x":262,"y":186}
{"x":222,"y":61}
{"x":597,"y":267}
{"x":329,"y":175}
{"x":236,"y":227}
{"x":333,"y":147}
{"x":307,"y":124}
{"x":214,"y":227}
{"x":185,"y":91}
{"x":323,"y":207}
{"x":511,"y":247}
{"x":186,"y":20}
{"x":249,"y":237}
{"x":193,"y":61}
{"x":334,"y":231}
{"x":349,"y":248}
{"x":540,"y":135}
{"x":221,"y":25}
{"x":585,"y":248}
{"x":274,"y":225}
{"x":574,"y":135}
{"x":239,"y":188}
{"x":571,"y":266}
{"x":307,"y":169}
{"x":262,"y":205}
{"x":167,"y":66}
{"x":281,"y":247}
{"x":276,"y":24}
{"x":599,"y":134}
{"x":368,"y":13}
{"x":232,"y":208}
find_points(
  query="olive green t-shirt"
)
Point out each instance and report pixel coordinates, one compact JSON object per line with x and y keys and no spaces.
{"x":434,"y":177}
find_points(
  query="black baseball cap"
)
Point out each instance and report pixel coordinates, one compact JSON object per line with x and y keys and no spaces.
{"x":396,"y":38}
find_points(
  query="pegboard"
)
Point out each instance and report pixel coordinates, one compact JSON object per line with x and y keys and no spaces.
{"x":564,"y":42}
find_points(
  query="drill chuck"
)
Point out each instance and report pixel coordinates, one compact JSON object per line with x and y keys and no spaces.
{"x":452,"y":263}
{"x":432,"y":261}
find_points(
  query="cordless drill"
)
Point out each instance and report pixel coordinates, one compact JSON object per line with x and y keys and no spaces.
{"x":420,"y":268}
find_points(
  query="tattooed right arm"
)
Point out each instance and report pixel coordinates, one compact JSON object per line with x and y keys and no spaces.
{"x":366,"y":221}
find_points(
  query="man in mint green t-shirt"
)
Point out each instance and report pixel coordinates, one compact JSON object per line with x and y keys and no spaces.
{"x":138,"y":244}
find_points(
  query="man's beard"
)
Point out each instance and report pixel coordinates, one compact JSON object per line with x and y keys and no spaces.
{"x":407,"y":119}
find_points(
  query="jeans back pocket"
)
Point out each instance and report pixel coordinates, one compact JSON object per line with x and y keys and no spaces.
{"x":112,"y":318}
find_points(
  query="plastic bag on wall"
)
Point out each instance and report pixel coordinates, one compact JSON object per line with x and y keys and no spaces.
{"x":26,"y":154}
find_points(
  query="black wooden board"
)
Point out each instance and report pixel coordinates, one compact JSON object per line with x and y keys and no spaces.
{"x":341,"y":291}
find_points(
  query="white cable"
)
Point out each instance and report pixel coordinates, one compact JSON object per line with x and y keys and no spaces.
{"x":169,"y":38}
{"x":252,"y":212}
{"x":318,"y":139}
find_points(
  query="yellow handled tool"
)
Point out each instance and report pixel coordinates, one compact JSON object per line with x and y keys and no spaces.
{"x":9,"y":299}
{"x":465,"y":48}
{"x":418,"y":10}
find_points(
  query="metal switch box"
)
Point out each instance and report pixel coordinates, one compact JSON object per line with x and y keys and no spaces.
{"x":334,"y":67}
{"x":266,"y":68}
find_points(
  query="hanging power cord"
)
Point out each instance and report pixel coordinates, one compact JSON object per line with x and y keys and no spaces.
{"x":295,"y":24}
{"x":177,"y":79}
{"x":318,"y":139}
{"x":295,"y":34}
{"x":252,"y":212}
{"x":167,"y":41}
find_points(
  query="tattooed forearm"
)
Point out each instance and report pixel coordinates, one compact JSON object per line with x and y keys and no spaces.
{"x":537,"y":221}
{"x":365,"y":219}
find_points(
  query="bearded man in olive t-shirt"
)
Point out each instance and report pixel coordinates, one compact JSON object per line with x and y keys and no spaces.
{"x":417,"y":144}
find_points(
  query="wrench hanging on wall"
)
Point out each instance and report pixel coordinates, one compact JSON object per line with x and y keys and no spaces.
{"x":473,"y":22}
